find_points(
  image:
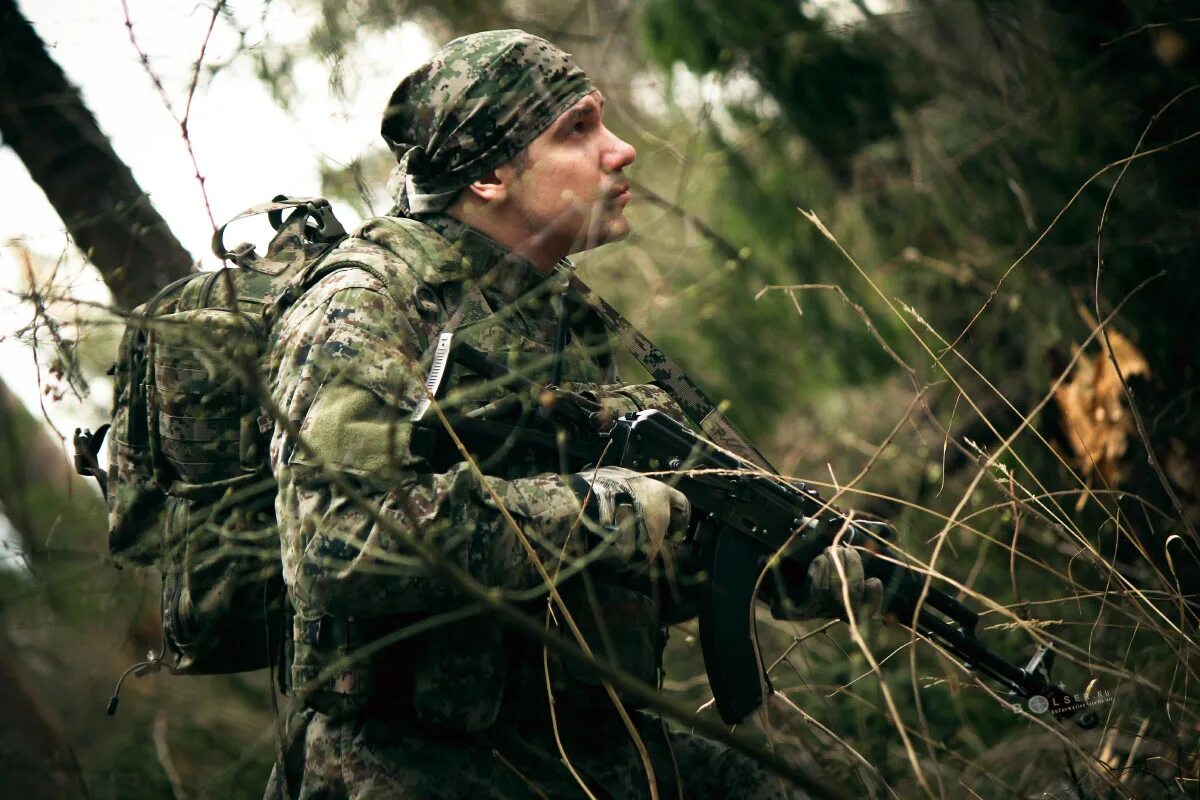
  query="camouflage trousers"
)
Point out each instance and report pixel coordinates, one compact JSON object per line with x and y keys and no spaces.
{"x":371,"y":757}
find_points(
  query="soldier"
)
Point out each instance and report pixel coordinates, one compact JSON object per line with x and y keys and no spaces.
{"x":505,"y":166}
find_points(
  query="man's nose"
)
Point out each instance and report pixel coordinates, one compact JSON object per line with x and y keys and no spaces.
{"x":618,"y":155}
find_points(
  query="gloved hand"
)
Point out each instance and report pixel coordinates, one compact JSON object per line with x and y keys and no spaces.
{"x":822,"y":595}
{"x":638,"y":517}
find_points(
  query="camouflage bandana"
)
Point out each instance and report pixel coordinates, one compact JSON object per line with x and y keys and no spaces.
{"x":474,"y":105}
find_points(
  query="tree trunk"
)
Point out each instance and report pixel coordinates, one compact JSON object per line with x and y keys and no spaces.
{"x":44,"y":120}
{"x":59,"y":522}
{"x":35,"y":759}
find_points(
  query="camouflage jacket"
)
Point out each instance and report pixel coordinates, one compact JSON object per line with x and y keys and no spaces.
{"x":346,"y":370}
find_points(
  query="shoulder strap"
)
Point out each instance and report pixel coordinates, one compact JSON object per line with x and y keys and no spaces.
{"x":339,"y":255}
{"x":674,"y":382}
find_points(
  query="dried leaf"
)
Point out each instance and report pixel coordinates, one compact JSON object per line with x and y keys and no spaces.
{"x":1095,"y":418}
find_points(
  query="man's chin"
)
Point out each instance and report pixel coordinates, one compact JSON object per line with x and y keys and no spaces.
{"x":601,"y":232}
{"x":618,"y":229}
{"x":613,"y":229}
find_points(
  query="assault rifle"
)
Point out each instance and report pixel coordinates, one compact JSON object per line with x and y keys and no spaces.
{"x":744,"y":519}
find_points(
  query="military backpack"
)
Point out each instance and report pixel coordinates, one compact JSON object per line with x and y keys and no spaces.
{"x":189,"y":486}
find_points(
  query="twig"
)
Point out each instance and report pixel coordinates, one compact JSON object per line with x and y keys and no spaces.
{"x":1012,"y":553}
{"x":182,"y":122}
{"x":162,"y":749}
{"x":1128,"y":391}
{"x":1078,"y":192}
{"x":528,"y":781}
{"x":1147,"y":27}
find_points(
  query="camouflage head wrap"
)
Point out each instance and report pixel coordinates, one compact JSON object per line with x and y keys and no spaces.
{"x":474,"y":105}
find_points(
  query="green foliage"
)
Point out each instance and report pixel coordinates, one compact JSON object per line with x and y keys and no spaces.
{"x":832,"y":86}
{"x":939,"y":144}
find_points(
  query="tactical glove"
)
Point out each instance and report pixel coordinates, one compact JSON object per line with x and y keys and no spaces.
{"x":822,"y":593}
{"x":636,"y":519}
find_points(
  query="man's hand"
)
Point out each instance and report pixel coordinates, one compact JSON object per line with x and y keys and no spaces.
{"x":638,"y":517}
{"x":822,"y":594}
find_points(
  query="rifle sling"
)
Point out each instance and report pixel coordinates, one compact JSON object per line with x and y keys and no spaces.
{"x":671,"y":377}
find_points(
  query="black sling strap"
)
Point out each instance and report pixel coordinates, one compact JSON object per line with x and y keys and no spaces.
{"x":674,"y":382}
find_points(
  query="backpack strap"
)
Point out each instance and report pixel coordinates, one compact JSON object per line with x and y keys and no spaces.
{"x":457,"y":300}
{"x":337,"y":257}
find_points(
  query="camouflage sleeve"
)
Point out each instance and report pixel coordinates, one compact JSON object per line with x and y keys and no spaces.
{"x":647,"y":396}
{"x":346,"y":374}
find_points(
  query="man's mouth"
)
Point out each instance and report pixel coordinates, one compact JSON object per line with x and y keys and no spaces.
{"x":619,"y":193}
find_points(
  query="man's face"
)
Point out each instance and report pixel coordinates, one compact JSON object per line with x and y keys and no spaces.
{"x":568,"y":187}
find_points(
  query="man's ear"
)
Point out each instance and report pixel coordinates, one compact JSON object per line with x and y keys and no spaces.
{"x":491,"y":188}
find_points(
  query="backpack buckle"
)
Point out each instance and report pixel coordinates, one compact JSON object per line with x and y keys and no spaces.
{"x":87,"y":455}
{"x":243,"y":254}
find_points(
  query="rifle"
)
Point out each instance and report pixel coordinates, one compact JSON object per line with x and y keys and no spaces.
{"x":742,"y":520}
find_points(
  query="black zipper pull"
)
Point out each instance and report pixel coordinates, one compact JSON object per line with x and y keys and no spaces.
{"x":153,"y":663}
